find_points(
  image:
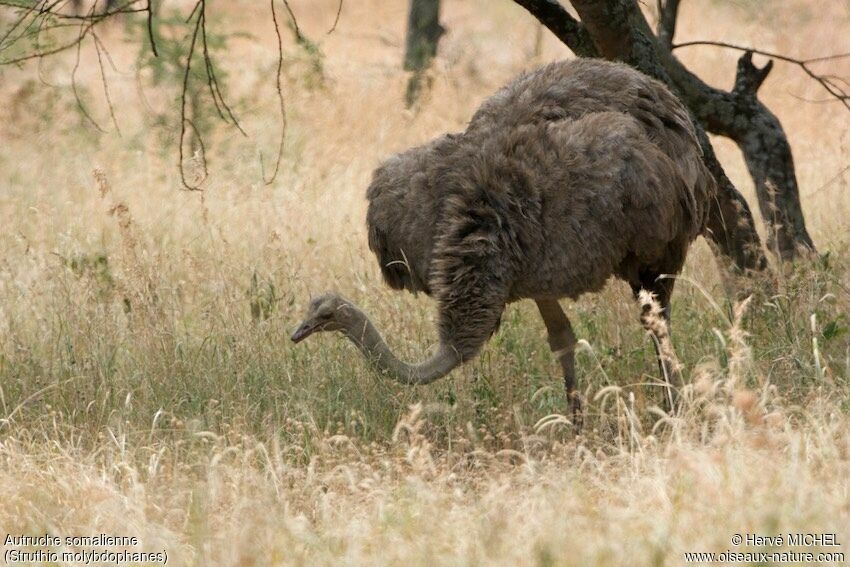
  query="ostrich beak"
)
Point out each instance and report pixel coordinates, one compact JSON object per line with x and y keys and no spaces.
{"x":303,"y":331}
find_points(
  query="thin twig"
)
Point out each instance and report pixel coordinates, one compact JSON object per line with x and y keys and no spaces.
{"x":828,"y":82}
{"x":336,"y":19}
{"x":212,"y":81}
{"x":183,"y":118}
{"x":87,"y":23}
{"x":211,"y":84}
{"x":192,"y":13}
{"x":271,"y":179}
{"x":41,"y":54}
{"x":83,"y":32}
{"x":15,"y":26}
{"x":107,"y":54}
{"x":90,"y":16}
{"x":298,"y":35}
{"x":762,"y":52}
{"x":149,"y":10}
{"x":98,"y":47}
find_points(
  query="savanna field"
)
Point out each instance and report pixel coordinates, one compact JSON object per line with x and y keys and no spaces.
{"x":149,"y":389}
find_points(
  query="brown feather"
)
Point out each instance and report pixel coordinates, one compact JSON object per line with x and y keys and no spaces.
{"x":570,"y":174}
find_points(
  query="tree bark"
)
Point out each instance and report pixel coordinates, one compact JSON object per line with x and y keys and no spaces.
{"x":668,"y":12}
{"x":566,"y":28}
{"x":740,"y":116}
{"x":423,"y":34}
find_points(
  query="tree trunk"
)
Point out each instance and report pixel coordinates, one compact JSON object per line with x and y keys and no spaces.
{"x":423,"y":34}
{"x":740,"y":116}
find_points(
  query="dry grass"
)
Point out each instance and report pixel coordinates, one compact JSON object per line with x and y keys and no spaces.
{"x":140,"y":396}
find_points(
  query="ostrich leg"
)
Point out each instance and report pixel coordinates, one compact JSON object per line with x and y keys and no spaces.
{"x":562,"y":341}
{"x":661,"y":290}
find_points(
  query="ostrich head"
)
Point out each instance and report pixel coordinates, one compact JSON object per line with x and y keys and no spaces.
{"x":328,"y":312}
{"x":331,"y":312}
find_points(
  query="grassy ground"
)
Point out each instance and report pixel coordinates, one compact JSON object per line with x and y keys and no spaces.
{"x":148,"y":388}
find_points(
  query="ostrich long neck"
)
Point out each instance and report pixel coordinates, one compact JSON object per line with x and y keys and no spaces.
{"x":366,"y":337}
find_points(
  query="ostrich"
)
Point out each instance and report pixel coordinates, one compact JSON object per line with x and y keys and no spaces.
{"x":569,"y":175}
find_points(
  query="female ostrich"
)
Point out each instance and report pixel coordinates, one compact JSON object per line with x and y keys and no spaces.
{"x":569,"y":175}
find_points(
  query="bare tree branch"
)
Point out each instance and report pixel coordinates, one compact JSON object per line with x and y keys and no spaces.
{"x":100,"y":47}
{"x":79,"y":44}
{"x":17,"y":24}
{"x":212,"y":81}
{"x":668,"y":13}
{"x":41,"y":14}
{"x":336,"y":19}
{"x":749,"y":78}
{"x":184,"y":120}
{"x":298,"y":36}
{"x":41,"y":54}
{"x":47,"y":15}
{"x":570,"y":31}
{"x":828,"y":82}
{"x":270,"y":180}
{"x":55,"y":10}
{"x":194,"y":10}
{"x":149,"y":10}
